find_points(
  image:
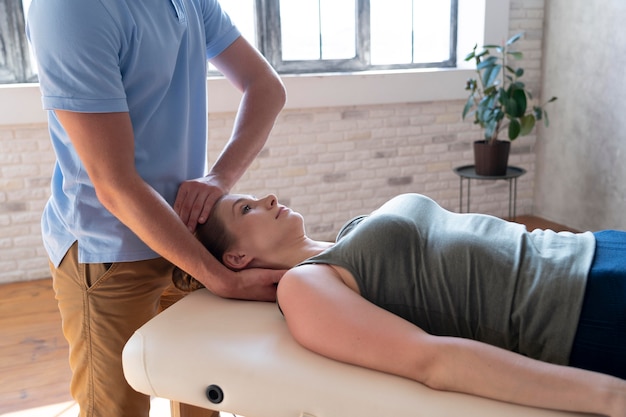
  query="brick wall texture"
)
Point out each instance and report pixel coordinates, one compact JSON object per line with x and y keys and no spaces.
{"x":329,"y":164}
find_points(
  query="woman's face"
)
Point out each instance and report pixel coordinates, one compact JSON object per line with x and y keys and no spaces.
{"x":261,"y":227}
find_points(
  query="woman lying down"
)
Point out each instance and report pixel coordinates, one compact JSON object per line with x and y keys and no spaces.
{"x":460,"y":302}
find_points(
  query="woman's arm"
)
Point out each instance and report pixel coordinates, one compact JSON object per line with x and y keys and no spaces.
{"x":327,"y":317}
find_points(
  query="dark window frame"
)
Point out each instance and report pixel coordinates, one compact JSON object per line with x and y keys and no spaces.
{"x":15,"y":65}
{"x":269,"y":40}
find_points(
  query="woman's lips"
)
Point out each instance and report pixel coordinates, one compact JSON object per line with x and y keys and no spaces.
{"x":281,"y":210}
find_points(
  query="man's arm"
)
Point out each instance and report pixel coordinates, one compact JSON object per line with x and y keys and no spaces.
{"x":327,"y":317}
{"x":263,"y":99}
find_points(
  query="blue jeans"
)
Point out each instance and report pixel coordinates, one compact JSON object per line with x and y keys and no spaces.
{"x":600,"y":342}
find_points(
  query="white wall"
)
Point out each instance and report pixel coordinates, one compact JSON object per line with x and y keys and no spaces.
{"x":580,"y":170}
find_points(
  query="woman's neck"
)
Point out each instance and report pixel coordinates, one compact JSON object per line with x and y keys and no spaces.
{"x":294,"y":254}
{"x":310,"y":249}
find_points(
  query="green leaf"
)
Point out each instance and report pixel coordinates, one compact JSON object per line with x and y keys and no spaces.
{"x":489,"y":62}
{"x":468,"y":105}
{"x":490,"y":75}
{"x":514,"y":129}
{"x":490,"y":130}
{"x":514,"y":38}
{"x":472,"y":54}
{"x":519,"y":72}
{"x":491,"y":90}
{"x":528,"y":123}
{"x":516,"y":55}
{"x":519,"y":96}
{"x":492,"y":46}
{"x":498,"y":114}
{"x":511,"y":107}
{"x":546,"y":121}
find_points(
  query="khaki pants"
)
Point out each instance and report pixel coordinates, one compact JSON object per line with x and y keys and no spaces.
{"x":101,"y":306}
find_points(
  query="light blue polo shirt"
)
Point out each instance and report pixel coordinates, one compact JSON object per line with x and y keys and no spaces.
{"x":145,"y":57}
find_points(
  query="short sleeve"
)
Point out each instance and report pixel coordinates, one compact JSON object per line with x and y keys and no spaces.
{"x":220,"y":30}
{"x":77,"y":44}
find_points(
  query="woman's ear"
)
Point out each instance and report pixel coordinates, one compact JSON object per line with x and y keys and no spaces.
{"x":236,"y":260}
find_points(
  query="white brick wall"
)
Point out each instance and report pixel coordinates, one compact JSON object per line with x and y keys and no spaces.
{"x":329,"y":164}
{"x":26,"y":161}
{"x":333,"y":164}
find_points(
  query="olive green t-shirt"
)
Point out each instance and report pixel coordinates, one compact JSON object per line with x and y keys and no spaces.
{"x":469,"y":275}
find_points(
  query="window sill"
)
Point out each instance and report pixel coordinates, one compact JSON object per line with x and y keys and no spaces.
{"x":21,"y":103}
{"x":354,"y":89}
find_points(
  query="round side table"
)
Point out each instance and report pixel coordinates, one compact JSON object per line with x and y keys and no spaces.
{"x":468,"y":172}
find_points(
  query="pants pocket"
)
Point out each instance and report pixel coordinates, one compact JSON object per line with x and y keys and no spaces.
{"x":95,"y":274}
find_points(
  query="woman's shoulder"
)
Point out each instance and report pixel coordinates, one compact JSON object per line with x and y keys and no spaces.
{"x":310,"y":274}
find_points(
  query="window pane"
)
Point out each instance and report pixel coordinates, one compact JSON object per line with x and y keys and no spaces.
{"x":338,"y":24}
{"x":242,"y":14}
{"x":33,"y":61}
{"x":409,"y":31}
{"x":317,"y":29}
{"x":431,"y":30}
{"x":300,"y":29}
{"x":391,"y":30}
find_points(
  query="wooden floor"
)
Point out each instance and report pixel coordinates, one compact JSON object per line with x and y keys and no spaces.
{"x":34,"y":371}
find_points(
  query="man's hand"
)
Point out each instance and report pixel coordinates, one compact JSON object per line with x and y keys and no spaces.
{"x":196,"y":198}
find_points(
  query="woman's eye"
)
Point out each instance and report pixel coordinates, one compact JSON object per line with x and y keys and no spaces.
{"x":245,"y":208}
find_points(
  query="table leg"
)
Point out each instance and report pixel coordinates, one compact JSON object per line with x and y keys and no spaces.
{"x":461,"y":195}
{"x":185,"y":410}
{"x":468,"y":195}
{"x":514,"y":198}
{"x":510,"y":197}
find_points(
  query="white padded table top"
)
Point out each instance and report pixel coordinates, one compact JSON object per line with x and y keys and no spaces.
{"x":244,"y":350}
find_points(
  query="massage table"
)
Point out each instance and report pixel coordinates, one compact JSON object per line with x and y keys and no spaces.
{"x":239,"y":357}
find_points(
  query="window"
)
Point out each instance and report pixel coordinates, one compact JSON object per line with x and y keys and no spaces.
{"x":302,"y":36}
{"x":15,"y":60}
{"x":299,"y":36}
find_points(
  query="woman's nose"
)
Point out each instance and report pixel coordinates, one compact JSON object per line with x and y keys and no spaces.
{"x":270,"y":201}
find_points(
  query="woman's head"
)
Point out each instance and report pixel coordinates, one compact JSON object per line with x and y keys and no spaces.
{"x":243,"y":231}
{"x":246,"y":232}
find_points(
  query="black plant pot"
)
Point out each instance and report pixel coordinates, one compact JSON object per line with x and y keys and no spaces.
{"x":491,"y":159}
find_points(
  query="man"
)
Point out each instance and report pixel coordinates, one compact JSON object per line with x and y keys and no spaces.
{"x":124,"y":83}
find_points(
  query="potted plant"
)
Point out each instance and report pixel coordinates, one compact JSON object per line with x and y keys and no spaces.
{"x":498,"y":100}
